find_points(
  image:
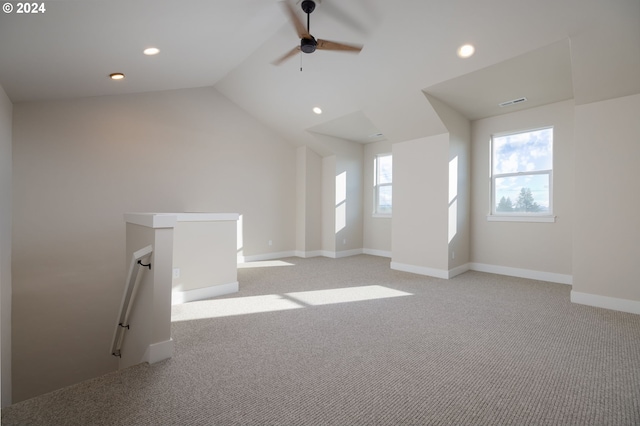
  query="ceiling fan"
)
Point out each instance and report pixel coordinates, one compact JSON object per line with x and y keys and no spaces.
{"x":308,"y":43}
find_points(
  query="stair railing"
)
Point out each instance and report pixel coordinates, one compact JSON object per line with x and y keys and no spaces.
{"x":139,"y":262}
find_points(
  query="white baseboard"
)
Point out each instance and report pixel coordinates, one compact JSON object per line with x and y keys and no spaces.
{"x":307,"y":254}
{"x":374,"y":252}
{"x":622,"y":305}
{"x":522,"y":273}
{"x":458,"y":270}
{"x":179,"y":297}
{"x":420,"y":270}
{"x":347,"y":253}
{"x":267,"y":256}
{"x":160,"y":351}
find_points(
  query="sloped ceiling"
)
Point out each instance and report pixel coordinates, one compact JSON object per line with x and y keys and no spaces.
{"x":541,"y":76}
{"x":546,"y":50}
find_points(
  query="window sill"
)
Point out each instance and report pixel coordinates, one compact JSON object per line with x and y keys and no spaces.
{"x":520,"y":218}
{"x":386,"y":216}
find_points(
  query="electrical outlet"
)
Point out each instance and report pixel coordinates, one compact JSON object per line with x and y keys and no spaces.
{"x":453,"y":254}
{"x":176,"y":272}
{"x":344,"y":241}
{"x":270,"y":243}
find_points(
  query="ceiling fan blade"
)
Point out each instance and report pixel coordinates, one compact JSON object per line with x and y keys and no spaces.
{"x":300,"y":28}
{"x":286,"y":56}
{"x":332,"y":45}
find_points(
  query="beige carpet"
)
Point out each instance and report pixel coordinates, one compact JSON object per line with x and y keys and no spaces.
{"x":350,"y":342}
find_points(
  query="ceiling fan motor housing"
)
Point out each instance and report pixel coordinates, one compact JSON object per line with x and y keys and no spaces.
{"x":308,"y":6}
{"x":308,"y":45}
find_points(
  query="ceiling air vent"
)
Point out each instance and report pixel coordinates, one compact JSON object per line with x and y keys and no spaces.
{"x":513,"y":102}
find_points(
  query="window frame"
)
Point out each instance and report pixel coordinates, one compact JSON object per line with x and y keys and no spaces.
{"x":499,"y":216}
{"x":377,"y":185}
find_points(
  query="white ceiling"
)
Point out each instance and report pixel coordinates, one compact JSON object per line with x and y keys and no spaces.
{"x":546,"y":50}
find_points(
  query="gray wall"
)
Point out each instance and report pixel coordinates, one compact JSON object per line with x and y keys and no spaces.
{"x":607,"y":200}
{"x":5,"y":244}
{"x":420,"y":206}
{"x":544,"y":247}
{"x":79,"y":165}
{"x":376,"y":230}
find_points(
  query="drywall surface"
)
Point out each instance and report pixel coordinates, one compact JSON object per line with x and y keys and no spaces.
{"x":328,"y":208}
{"x":420,"y":213}
{"x":376,"y":230}
{"x":6,"y":109}
{"x":607,"y":200}
{"x":204,"y":254}
{"x":459,"y":180}
{"x":543,"y":247}
{"x":308,"y":202}
{"x":79,"y":165}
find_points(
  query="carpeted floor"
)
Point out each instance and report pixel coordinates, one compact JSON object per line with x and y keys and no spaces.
{"x":350,"y":342}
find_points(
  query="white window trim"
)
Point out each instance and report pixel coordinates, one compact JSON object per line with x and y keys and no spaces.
{"x":546,"y":217}
{"x":376,"y":185}
{"x":520,"y":218}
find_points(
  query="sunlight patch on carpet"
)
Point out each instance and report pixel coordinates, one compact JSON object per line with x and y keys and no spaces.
{"x":347,"y":294}
{"x":218,"y":308}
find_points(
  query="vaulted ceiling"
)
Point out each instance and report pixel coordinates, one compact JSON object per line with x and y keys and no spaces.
{"x":544,"y":50}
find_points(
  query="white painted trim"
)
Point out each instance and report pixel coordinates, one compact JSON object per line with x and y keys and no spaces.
{"x":347,"y":253}
{"x":458,"y":270}
{"x":307,"y":254}
{"x":179,"y":297}
{"x":622,"y":305}
{"x":373,"y":252}
{"x":160,"y":351}
{"x":420,"y":270}
{"x":266,"y":256}
{"x":207,"y":217}
{"x":513,"y":218}
{"x":522,"y":273}
{"x":151,"y":220}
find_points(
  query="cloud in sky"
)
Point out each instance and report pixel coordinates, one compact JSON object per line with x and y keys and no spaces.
{"x":523,"y":153}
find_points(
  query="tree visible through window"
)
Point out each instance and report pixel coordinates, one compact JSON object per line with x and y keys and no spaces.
{"x":521,"y":172}
{"x":383,"y":178}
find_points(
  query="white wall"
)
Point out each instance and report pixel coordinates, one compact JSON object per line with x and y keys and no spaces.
{"x":341,"y":197}
{"x":540,"y":247}
{"x":377,"y":230}
{"x":79,"y":165}
{"x":607,"y":201}
{"x":459,"y":178}
{"x":349,"y":166}
{"x":420,"y":206}
{"x":5,"y":244}
{"x":308,"y":202}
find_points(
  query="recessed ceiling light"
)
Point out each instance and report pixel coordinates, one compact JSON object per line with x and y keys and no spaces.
{"x":116,"y":76}
{"x":317,"y":110}
{"x":466,"y":50}
{"x":150,"y":51}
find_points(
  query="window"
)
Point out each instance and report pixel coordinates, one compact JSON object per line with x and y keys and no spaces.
{"x":522,"y":174}
{"x":382,"y":185}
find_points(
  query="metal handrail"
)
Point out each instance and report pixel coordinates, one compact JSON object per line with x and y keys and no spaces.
{"x":139,"y":262}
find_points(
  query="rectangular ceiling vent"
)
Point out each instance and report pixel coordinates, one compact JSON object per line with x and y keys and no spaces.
{"x":513,"y":102}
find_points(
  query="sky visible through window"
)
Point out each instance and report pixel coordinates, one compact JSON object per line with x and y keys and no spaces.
{"x":525,"y":154}
{"x":384,"y":179}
